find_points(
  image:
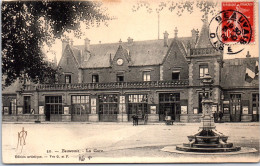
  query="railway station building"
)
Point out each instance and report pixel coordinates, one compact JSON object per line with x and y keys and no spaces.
{"x":111,"y":82}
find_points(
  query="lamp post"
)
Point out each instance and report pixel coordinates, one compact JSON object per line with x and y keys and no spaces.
{"x":208,"y":139}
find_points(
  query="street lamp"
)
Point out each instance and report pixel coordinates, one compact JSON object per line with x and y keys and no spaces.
{"x":208,"y":139}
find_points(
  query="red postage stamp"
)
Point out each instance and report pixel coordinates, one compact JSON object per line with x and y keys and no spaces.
{"x":238,"y":22}
{"x":234,"y":25}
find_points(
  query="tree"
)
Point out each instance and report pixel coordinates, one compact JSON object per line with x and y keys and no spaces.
{"x":205,"y":6}
{"x":29,"y":25}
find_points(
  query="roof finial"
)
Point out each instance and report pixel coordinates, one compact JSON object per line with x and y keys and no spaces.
{"x":175,"y":32}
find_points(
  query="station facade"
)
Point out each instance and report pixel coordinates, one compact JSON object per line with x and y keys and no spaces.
{"x":111,"y":82}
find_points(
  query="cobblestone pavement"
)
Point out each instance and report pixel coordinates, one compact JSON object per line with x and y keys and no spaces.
{"x":90,"y":142}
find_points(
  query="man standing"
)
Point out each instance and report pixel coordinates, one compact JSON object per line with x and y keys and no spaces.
{"x":220,"y":116}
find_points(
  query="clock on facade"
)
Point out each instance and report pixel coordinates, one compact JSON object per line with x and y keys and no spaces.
{"x":120,"y":61}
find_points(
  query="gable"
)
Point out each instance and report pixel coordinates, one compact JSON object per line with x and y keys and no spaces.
{"x":121,"y":58}
{"x":175,"y":61}
{"x":15,"y":86}
{"x":68,"y":59}
{"x":175,"y":53}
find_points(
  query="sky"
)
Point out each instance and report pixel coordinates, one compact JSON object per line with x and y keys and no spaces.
{"x":139,"y":25}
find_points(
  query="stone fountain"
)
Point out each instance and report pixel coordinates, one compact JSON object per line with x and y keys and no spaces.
{"x":208,"y":139}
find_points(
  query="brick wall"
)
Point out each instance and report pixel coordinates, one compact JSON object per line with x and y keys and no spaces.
{"x":246,"y":97}
{"x":175,"y":61}
{"x":131,"y":74}
{"x":213,"y":66}
{"x":69,"y":66}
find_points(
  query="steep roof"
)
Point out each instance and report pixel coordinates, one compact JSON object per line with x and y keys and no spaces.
{"x":12,"y":88}
{"x":203,"y":40}
{"x":76,"y":54}
{"x":141,"y":53}
{"x":236,"y":68}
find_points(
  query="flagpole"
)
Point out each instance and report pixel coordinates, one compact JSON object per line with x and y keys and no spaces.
{"x":158,"y":25}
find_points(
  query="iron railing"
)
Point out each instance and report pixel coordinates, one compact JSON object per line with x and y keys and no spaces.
{"x":110,"y":85}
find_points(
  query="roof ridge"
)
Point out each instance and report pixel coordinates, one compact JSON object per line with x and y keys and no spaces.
{"x":137,"y":41}
{"x":73,"y":54}
{"x":243,"y":58}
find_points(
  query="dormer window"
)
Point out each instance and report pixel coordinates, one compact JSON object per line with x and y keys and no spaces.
{"x":67,"y":79}
{"x":147,"y":75}
{"x":176,"y":75}
{"x":120,"y":77}
{"x":95,"y":78}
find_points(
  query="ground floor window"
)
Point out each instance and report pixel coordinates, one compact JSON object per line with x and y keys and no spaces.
{"x":255,"y":103}
{"x":169,"y":105}
{"x":13,"y":106}
{"x":137,"y":104}
{"x":80,"y":105}
{"x":255,"y":106}
{"x":235,"y":103}
{"x":27,"y":104}
{"x":108,"y":107}
{"x":137,"y":108}
{"x":235,"y":107}
{"x":53,"y":104}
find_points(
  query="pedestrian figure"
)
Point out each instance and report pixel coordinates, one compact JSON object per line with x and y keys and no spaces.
{"x":220,"y":116}
{"x":21,"y":139}
{"x":32,"y":111}
{"x":145,"y":119}
{"x":215,"y":117}
{"x":135,"y":120}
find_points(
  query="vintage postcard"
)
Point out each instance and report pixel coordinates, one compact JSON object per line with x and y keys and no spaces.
{"x":122,"y":81}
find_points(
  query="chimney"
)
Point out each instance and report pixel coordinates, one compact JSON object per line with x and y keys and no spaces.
{"x":193,"y":35}
{"x":130,"y":41}
{"x":248,"y":55}
{"x":65,"y":42}
{"x":165,"y":34}
{"x":110,"y":59}
{"x":197,"y":35}
{"x":175,"y":32}
{"x":99,"y":42}
{"x":87,"y":45}
{"x":188,"y":48}
{"x":120,"y":42}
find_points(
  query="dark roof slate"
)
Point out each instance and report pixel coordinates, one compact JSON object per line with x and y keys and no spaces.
{"x":203,"y":40}
{"x":12,"y":88}
{"x":141,"y":53}
{"x":236,"y":69}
